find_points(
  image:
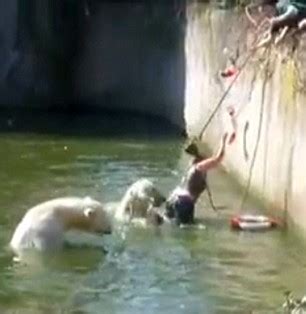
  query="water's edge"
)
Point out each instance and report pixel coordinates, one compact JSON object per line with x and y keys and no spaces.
{"x":211,"y":269}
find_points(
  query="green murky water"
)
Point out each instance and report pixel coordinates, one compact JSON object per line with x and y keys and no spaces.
{"x":167,"y":270}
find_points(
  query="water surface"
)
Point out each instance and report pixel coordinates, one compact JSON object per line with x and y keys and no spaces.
{"x":165,"y":270}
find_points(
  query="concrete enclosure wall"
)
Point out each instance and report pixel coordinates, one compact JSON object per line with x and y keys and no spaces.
{"x":36,"y":42}
{"x":120,"y":55}
{"x":132,"y":57}
{"x":269,"y":98}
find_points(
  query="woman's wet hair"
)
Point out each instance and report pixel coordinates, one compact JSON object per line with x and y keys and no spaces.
{"x":192,"y":149}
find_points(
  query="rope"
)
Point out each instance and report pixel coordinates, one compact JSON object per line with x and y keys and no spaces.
{"x":210,"y":198}
{"x":217,"y":107}
{"x":249,"y":16}
{"x":247,"y":188}
{"x":226,"y":93}
{"x":244,"y":64}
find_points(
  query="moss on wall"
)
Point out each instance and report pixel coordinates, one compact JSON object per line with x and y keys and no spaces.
{"x":289,"y":83}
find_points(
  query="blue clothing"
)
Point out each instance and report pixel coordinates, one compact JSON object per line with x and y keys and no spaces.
{"x":295,"y":7}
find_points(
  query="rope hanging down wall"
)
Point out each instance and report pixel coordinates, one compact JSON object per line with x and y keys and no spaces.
{"x":217,"y":107}
{"x":260,"y":120}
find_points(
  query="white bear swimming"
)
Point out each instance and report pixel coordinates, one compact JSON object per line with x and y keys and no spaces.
{"x":44,"y":225}
{"x":140,"y":197}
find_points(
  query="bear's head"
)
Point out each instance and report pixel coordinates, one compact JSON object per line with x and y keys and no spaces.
{"x":151,"y":191}
{"x":158,"y":198}
{"x":98,"y":219}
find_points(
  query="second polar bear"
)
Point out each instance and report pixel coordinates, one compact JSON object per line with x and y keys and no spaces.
{"x":140,"y":197}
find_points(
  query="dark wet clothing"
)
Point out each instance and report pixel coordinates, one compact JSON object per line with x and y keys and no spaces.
{"x":181,"y":208}
{"x":181,"y":203}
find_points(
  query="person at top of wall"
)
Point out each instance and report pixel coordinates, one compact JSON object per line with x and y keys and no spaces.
{"x":289,"y":13}
{"x":181,"y":203}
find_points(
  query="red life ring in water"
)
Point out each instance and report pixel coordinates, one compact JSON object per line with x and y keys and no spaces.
{"x":253,"y":222}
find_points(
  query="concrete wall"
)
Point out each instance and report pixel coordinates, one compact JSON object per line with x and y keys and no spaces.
{"x":8,"y":37}
{"x":35,"y":49}
{"x":132,"y":58}
{"x":269,"y":97}
{"x":69,"y":54}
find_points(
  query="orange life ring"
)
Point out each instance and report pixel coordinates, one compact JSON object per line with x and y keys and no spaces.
{"x":253,"y":222}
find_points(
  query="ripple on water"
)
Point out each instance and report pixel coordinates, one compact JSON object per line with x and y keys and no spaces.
{"x":147,"y":271}
{"x":147,"y":275}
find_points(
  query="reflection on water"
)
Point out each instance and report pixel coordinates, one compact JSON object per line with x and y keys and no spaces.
{"x":166,"y":270}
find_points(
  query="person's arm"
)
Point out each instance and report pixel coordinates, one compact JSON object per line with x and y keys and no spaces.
{"x":213,"y":161}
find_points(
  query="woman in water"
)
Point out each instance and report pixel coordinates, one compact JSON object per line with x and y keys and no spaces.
{"x":181,"y":203}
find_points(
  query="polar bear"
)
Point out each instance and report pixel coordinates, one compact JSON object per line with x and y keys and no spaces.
{"x":138,"y":200}
{"x":43,"y":226}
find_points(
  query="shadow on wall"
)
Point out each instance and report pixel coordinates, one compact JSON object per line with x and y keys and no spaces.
{"x":86,"y":54}
{"x":37,"y":42}
{"x":132,"y":58}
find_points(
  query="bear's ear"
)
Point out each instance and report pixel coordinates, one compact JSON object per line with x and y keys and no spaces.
{"x":89,"y":212}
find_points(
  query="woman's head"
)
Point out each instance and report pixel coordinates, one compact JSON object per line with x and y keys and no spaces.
{"x":192,"y":149}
